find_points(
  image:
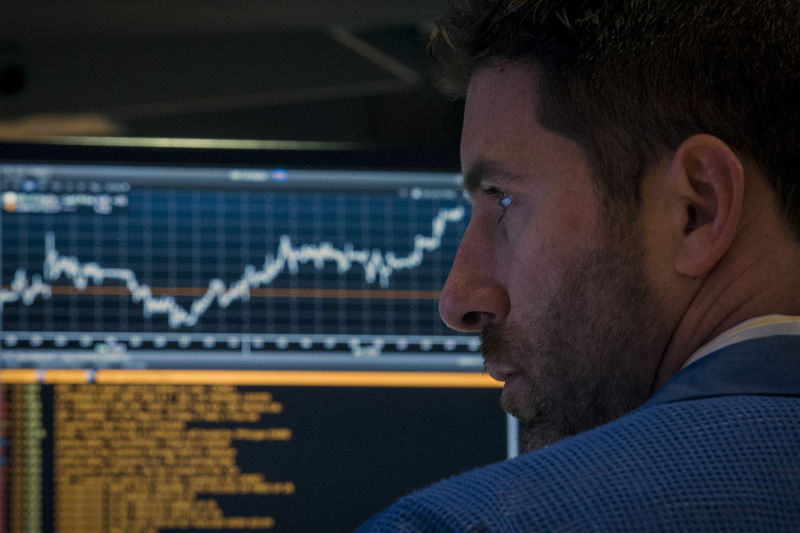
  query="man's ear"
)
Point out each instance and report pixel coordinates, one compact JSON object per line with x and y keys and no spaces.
{"x":709,"y":179}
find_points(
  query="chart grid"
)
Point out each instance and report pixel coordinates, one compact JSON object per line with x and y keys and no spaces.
{"x":165,"y":265}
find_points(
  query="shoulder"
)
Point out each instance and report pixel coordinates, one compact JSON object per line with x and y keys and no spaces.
{"x":719,"y":463}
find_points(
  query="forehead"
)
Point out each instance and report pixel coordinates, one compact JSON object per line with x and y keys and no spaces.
{"x":500,"y":101}
{"x":508,"y":85}
{"x":501,"y":126}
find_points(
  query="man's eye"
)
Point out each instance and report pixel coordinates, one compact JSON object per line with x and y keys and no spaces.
{"x":503,"y":199}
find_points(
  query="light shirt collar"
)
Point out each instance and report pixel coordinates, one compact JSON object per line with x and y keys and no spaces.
{"x":762,"y":326}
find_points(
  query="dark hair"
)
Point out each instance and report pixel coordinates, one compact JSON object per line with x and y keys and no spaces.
{"x":629,"y":80}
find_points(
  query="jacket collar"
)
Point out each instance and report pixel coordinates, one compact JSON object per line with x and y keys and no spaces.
{"x":763,"y":366}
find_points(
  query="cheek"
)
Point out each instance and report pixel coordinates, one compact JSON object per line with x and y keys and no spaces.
{"x":532,"y":271}
{"x":535,"y":261}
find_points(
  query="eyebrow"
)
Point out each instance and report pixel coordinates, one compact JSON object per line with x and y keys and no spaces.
{"x":482,"y":170}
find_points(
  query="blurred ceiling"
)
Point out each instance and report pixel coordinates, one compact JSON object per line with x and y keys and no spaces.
{"x":115,"y":17}
{"x":350,"y":71}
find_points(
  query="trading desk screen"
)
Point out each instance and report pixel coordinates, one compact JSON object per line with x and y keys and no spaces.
{"x":235,"y":348}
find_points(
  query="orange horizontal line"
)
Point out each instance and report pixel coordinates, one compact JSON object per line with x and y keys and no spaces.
{"x":299,"y":378}
{"x":18,"y":375}
{"x":260,"y":377}
{"x":65,"y":376}
{"x":387,"y":294}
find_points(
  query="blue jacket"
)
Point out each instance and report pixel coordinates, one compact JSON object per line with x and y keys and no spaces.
{"x":717,"y":448}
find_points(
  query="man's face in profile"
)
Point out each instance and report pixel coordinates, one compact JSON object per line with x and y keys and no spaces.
{"x":559,"y":295}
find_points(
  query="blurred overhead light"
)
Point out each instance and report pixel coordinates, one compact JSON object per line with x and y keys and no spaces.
{"x":33,"y":127}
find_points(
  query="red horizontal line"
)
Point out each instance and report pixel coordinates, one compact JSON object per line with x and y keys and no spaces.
{"x":385,"y":294}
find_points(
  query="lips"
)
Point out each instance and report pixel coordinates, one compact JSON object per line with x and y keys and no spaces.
{"x":501,"y":371}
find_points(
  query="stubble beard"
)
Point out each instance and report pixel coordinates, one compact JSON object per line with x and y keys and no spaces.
{"x":589,"y":356}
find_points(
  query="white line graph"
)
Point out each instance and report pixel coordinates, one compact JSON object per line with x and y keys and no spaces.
{"x":376,"y":265}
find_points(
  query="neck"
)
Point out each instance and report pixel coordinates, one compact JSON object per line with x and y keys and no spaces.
{"x":758,"y":276}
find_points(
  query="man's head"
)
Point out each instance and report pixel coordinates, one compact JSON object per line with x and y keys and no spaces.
{"x":606,"y":147}
{"x":630,"y":80}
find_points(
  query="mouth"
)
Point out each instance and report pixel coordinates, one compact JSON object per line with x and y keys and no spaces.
{"x":501,"y":372}
{"x":515,"y":386}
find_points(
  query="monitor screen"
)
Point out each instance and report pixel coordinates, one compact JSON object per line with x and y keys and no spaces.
{"x":230,"y":339}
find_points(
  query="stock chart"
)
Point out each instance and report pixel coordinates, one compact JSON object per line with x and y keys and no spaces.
{"x":120,"y":259}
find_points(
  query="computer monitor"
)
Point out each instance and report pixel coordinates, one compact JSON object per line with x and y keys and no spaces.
{"x":230,"y":337}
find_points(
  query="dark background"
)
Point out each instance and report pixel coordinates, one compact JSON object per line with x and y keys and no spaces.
{"x":303,"y":70}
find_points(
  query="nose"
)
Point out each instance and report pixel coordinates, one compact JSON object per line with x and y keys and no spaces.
{"x":473,"y":297}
